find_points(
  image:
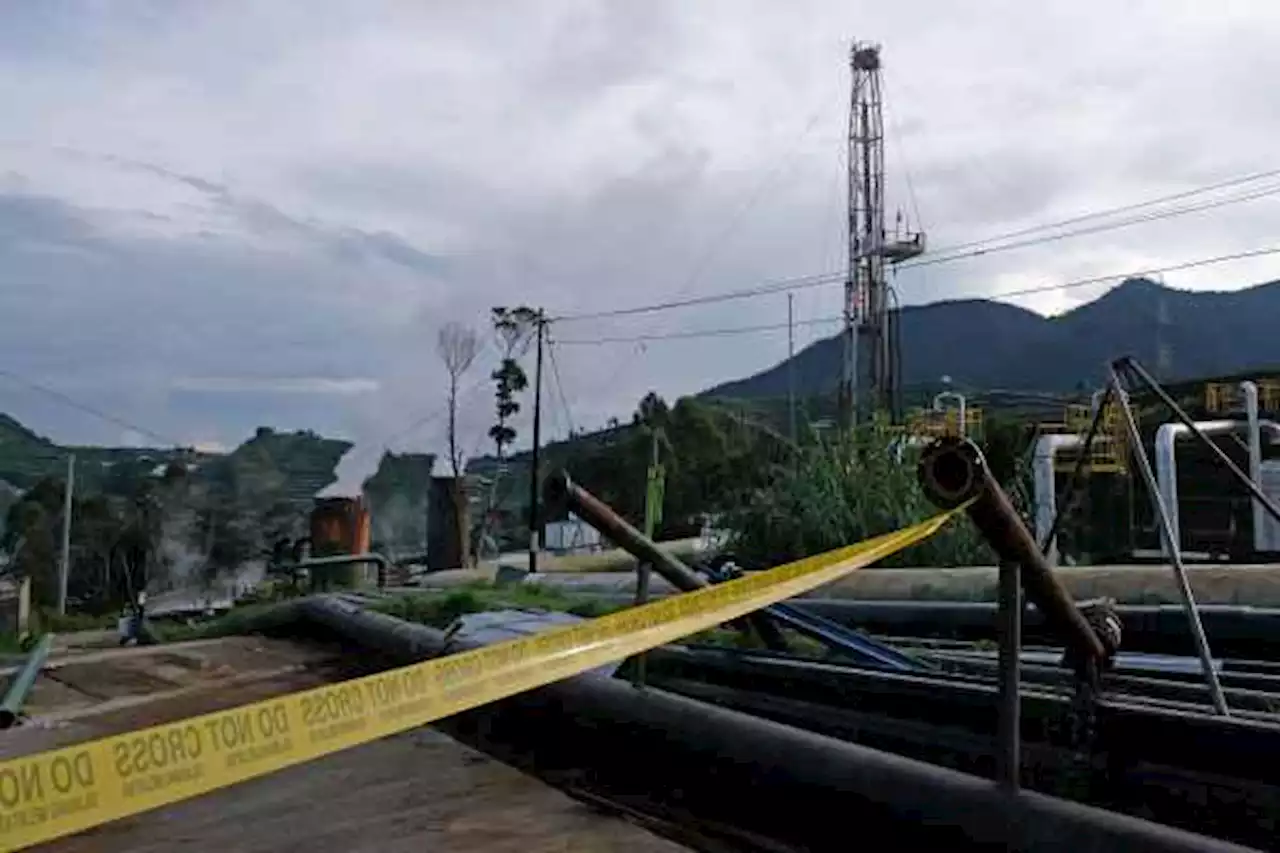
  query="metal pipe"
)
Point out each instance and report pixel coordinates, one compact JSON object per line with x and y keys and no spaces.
{"x":1167,"y":436}
{"x":1046,"y":492}
{"x":1010,"y":720}
{"x":938,"y":406}
{"x":1175,"y":551}
{"x":1249,"y":390}
{"x":1131,"y":364}
{"x":560,"y":491}
{"x":1096,"y":399}
{"x":953,"y":471}
{"x":16,"y":695}
{"x":1045,"y":479}
{"x":346,"y":559}
{"x":734,"y":768}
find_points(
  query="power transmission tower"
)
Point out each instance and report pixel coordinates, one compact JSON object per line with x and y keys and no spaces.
{"x":870,"y":375}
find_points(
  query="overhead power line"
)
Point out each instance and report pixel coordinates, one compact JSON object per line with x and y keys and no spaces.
{"x":559,"y":385}
{"x":1008,"y":294}
{"x":434,"y":414}
{"x":1112,"y":211}
{"x":955,"y":253}
{"x":1092,"y":229}
{"x":73,"y":403}
{"x":745,"y":206}
{"x":700,"y":333}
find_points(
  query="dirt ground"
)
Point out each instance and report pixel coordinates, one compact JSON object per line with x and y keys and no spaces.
{"x":417,"y":791}
{"x":413,"y":792}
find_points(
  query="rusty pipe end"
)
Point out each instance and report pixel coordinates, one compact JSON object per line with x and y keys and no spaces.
{"x":556,"y":490}
{"x":951,"y":471}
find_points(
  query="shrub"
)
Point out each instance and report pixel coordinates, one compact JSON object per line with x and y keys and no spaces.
{"x":837,"y":492}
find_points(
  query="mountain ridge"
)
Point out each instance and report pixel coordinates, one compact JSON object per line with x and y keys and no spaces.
{"x":985,"y":344}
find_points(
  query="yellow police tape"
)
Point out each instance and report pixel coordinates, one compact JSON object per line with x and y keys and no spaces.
{"x":55,"y":793}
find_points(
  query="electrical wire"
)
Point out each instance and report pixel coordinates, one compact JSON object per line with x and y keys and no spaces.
{"x":87,"y":409}
{"x":902,"y":152}
{"x":779,"y":169}
{"x":1092,"y":229}
{"x":559,"y":386}
{"x":949,"y":254}
{"x":425,"y":419}
{"x":699,"y":333}
{"x":1007,"y":294}
{"x":1124,"y":208}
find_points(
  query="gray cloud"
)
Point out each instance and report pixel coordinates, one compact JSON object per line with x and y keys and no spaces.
{"x":235,"y":192}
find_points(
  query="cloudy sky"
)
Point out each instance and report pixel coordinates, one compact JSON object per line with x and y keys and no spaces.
{"x":215,"y":215}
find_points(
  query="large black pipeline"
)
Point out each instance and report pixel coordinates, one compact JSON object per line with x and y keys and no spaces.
{"x":713,"y":766}
{"x":952,"y":471}
{"x":1167,"y":760}
{"x":1238,"y":632}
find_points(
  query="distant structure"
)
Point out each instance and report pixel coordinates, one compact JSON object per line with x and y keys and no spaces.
{"x":1164,"y":343}
{"x":871,"y":369}
{"x":396,"y":495}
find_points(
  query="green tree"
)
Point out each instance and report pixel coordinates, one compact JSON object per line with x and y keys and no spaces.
{"x":31,"y":538}
{"x":513,"y":327}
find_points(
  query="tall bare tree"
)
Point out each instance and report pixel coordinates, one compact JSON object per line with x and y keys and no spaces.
{"x":457,"y":345}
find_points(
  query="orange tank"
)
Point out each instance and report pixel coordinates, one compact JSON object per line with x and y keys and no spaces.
{"x":339,"y":526}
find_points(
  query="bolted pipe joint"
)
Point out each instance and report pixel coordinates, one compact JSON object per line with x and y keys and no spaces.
{"x":951,"y":471}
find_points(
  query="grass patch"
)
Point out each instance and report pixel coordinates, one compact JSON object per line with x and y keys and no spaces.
{"x":69,"y":623}
{"x":239,"y":620}
{"x":435,"y":608}
{"x":834,"y":492}
{"x":440,"y":609}
{"x":732,"y":638}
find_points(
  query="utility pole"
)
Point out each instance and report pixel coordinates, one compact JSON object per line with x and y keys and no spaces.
{"x":791,"y":365}
{"x":64,"y":569}
{"x":534,"y":528}
{"x":1164,"y":345}
{"x":655,"y":488}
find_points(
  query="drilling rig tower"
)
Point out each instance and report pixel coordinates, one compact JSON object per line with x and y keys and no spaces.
{"x":871,"y":371}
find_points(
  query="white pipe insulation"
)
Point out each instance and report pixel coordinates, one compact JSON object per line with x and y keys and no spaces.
{"x":1250,"y":392}
{"x":1167,"y":467}
{"x":938,"y":406}
{"x":1046,"y":493}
